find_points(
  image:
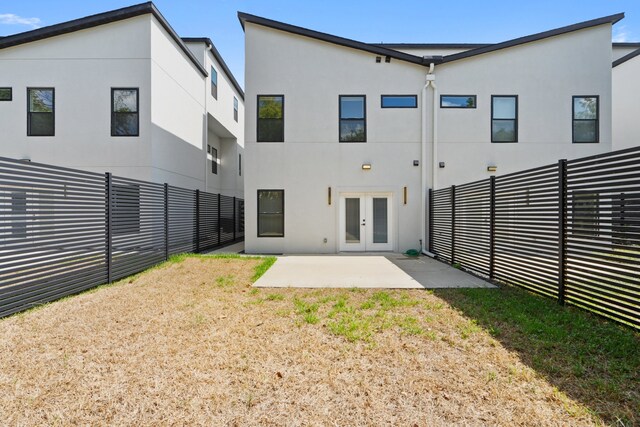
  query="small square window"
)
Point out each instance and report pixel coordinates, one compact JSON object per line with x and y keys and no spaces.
{"x":6,"y":94}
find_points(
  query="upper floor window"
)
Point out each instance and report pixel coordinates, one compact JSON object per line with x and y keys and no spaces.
{"x":214,"y":83}
{"x":125,"y":120}
{"x":235,"y":108}
{"x":6,"y":94}
{"x":270,"y":118}
{"x":504,"y":118}
{"x":353,"y":118}
{"x":41,"y":112}
{"x":399,"y":101}
{"x":585,"y":119}
{"x":458,"y":101}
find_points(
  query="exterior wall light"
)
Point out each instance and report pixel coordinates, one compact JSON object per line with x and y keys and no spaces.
{"x":492,"y":168}
{"x":366,"y":166}
{"x":329,"y":196}
{"x":405,"y":195}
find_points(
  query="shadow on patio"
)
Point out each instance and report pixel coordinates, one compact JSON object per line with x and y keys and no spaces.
{"x":590,"y":359}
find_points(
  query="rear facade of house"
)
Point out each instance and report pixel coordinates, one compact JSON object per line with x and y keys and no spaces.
{"x":626,"y":89}
{"x":343,"y":140}
{"x":121,"y":92}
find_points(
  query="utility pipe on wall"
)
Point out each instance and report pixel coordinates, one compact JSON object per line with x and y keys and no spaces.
{"x":430,"y":80}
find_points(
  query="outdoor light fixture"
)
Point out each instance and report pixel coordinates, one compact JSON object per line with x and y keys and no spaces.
{"x":366,"y":166}
{"x":405,"y":195}
{"x":378,"y":59}
{"x":329,"y":196}
{"x":387,"y":59}
{"x":492,"y":168}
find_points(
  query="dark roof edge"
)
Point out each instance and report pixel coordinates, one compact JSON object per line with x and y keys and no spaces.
{"x":218,"y":57}
{"x":611,"y":19}
{"x":431,"y":45}
{"x":97,"y":20}
{"x":626,"y":44}
{"x":626,"y":58}
{"x":245,"y":17}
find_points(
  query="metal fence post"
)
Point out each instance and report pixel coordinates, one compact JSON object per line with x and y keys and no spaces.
{"x":108,"y":224}
{"x":562,"y":229}
{"x":431,"y":220}
{"x":197,"y":220}
{"x":219,"y":227}
{"x":166,"y":221}
{"x":453,"y":224}
{"x":492,"y":227}
{"x":234,"y":219}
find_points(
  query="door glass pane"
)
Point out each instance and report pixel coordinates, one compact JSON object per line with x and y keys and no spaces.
{"x":352,"y":220}
{"x":380,"y":231}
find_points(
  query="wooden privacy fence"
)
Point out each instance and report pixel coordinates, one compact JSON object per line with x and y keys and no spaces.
{"x":63,"y":230}
{"x":569,"y":231}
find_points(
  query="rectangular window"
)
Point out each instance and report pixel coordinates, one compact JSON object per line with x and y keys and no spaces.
{"x":208,"y":149}
{"x":214,"y":161}
{"x":235,"y":108}
{"x":457,"y":101}
{"x":270,"y":118}
{"x":6,"y":94}
{"x":504,"y":118}
{"x":270,"y":213}
{"x":353,"y":118}
{"x":125,"y":119}
{"x":585,"y":119}
{"x":399,"y":101}
{"x":239,"y":164}
{"x":214,"y":83}
{"x":41,"y":111}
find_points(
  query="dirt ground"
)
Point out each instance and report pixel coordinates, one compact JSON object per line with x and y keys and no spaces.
{"x":191,"y":343}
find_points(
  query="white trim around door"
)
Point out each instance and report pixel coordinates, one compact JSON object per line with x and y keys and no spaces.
{"x":365,"y":221}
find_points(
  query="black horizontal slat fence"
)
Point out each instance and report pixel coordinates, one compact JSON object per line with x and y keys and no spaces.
{"x":63,"y":231}
{"x":569,"y":231}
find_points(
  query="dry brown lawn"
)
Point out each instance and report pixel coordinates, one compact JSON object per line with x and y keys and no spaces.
{"x":191,"y":343}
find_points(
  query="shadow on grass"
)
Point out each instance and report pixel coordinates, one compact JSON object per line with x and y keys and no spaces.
{"x":591,"y":360}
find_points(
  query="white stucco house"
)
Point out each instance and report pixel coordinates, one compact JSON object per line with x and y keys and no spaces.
{"x":121,"y":92}
{"x":343,"y":139}
{"x":626,"y":95}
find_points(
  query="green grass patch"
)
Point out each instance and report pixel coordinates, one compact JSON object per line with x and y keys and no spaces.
{"x":275,"y":297}
{"x":592,"y":360}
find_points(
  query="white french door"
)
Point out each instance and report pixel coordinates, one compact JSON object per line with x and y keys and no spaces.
{"x":365,"y":222}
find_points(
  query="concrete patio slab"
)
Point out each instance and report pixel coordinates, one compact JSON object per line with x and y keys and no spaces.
{"x":388,"y":271}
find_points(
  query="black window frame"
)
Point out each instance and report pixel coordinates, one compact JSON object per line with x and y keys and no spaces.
{"x":258,"y":231}
{"x":258,"y":139}
{"x":475,"y":102}
{"x":10,"y":89}
{"x":214,"y":160}
{"x":340,"y":119}
{"x":214,"y":86}
{"x":516,"y":119}
{"x":596,"y":120}
{"x":114,"y":113}
{"x":239,"y":164}
{"x":382,"y":97}
{"x":235,"y":109}
{"x":53,"y":110}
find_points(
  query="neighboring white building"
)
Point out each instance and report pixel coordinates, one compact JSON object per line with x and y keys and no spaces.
{"x":343,"y":139}
{"x":121,"y":92}
{"x":626,"y":97}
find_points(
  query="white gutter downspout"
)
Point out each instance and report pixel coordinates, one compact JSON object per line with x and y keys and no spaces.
{"x":430,"y":80}
{"x":206,"y":122}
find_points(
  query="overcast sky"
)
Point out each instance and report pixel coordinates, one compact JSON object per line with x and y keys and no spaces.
{"x":398,"y":21}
